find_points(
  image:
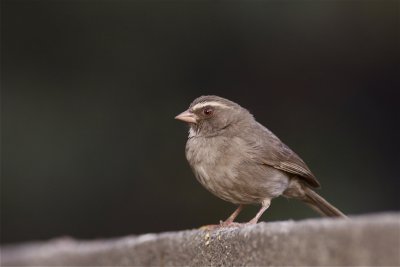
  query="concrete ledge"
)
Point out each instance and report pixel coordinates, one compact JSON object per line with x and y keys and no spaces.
{"x":364,"y":240}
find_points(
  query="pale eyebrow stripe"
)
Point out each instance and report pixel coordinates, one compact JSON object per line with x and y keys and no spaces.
{"x":209,"y":103}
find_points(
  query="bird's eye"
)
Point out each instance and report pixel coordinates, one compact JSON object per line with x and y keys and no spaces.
{"x":207,"y":111}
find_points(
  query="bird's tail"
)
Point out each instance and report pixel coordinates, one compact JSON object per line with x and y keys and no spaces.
{"x":320,"y":205}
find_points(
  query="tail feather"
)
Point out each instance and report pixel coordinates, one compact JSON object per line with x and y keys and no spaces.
{"x":320,"y":205}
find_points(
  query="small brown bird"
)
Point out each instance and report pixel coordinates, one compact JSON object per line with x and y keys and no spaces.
{"x":242,"y":162}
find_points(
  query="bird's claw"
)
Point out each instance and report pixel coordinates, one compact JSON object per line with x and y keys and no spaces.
{"x":222,"y":224}
{"x":229,"y":224}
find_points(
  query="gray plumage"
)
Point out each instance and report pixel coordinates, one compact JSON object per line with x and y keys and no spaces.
{"x":240,"y":161}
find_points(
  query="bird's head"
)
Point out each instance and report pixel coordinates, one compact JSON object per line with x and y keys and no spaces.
{"x":209,"y":115}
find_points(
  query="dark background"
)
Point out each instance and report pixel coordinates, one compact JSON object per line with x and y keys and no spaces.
{"x":89,"y":90}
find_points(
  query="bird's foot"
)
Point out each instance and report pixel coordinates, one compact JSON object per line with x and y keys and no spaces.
{"x":221,"y":225}
{"x":228,"y":223}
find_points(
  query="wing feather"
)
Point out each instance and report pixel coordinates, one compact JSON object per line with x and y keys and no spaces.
{"x":275,"y":153}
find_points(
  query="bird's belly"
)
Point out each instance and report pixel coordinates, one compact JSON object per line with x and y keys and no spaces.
{"x":220,"y":181}
{"x":234,"y":177}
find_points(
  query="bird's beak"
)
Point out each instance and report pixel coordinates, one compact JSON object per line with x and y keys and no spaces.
{"x":187,"y":116}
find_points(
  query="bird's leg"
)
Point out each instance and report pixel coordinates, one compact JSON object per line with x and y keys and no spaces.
{"x":264,"y":206}
{"x":227,"y":223}
{"x":232,"y":218}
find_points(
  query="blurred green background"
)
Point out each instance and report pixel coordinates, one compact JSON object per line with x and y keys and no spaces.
{"x":89,"y":90}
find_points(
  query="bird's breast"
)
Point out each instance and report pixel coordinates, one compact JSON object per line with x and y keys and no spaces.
{"x":215,"y":162}
{"x":227,"y":168}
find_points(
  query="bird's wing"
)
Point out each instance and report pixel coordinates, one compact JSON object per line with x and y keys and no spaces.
{"x":273,"y":152}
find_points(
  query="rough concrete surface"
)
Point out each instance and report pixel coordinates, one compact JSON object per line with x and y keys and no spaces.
{"x":370,"y":240}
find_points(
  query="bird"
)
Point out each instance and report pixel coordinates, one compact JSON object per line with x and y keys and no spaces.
{"x":242,"y":162}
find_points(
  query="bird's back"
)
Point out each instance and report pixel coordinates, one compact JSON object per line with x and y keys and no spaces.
{"x":271,"y":151}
